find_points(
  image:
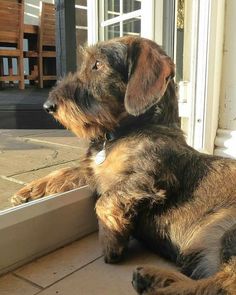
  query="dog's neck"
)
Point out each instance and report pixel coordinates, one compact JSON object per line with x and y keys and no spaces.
{"x":127,"y":125}
{"x":130,"y":124}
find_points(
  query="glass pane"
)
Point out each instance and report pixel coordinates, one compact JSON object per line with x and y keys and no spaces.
{"x":180,"y":41}
{"x":81,"y":17}
{"x":112,"y":31}
{"x":81,"y":37}
{"x":81,"y":40}
{"x":81,"y":2}
{"x":111,"y":9}
{"x":132,"y":27}
{"x":131,"y":5}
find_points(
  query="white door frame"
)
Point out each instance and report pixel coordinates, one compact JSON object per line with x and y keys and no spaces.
{"x":92,"y":8}
{"x":205,"y":44}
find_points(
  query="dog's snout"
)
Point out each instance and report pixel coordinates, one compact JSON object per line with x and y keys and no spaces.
{"x":50,"y":107}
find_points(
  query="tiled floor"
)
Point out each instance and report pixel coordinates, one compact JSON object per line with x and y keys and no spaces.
{"x":78,"y":269}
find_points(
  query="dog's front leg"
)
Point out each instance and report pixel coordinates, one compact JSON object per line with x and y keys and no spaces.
{"x":56,"y":182}
{"x":115,"y":225}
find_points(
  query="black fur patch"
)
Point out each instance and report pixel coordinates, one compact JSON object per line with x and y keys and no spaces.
{"x":116,"y":56}
{"x":133,"y":55}
{"x":141,"y":283}
{"x":228,"y":242}
{"x":188,"y":264}
{"x":86,"y":102}
{"x":156,"y":238}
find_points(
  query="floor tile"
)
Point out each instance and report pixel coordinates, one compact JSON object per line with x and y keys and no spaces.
{"x":105,"y":279}
{"x":51,"y":268}
{"x":11,"y":285}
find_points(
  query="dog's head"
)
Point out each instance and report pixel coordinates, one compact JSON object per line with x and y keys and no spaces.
{"x":119,"y":77}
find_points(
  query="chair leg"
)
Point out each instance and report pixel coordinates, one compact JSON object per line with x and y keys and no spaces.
{"x":1,"y":72}
{"x":40,"y":68}
{"x":10,"y":70}
{"x":21,"y":72}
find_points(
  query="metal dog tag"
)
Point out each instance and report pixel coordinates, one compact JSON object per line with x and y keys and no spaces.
{"x":100,"y":156}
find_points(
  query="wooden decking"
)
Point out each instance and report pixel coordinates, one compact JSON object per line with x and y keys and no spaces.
{"x":23,"y":109}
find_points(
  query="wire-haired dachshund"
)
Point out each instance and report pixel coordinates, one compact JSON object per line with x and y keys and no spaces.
{"x":149,"y":183}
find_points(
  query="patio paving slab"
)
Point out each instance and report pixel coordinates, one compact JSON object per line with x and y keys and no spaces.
{"x":19,"y":156}
{"x":7,"y":189}
{"x":26,"y":155}
{"x":23,"y":132}
{"x":32,"y":175}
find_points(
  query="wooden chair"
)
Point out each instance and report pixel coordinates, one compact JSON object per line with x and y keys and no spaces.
{"x":11,"y":38}
{"x":47,"y":43}
{"x":31,"y":35}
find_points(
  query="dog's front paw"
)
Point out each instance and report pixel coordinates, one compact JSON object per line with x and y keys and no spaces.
{"x":113,"y":243}
{"x":113,"y":255}
{"x":150,"y":280}
{"x":141,"y":281}
{"x":31,"y":191}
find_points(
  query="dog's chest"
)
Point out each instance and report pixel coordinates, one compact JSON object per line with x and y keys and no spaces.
{"x":111,"y":165}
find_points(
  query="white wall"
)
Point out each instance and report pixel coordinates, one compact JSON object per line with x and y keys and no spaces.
{"x":32,"y":11}
{"x":227,"y":115}
{"x":225,"y":141}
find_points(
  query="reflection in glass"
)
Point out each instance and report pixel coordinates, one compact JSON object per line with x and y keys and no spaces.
{"x":81,"y":20}
{"x":81,"y":17}
{"x":112,"y":31}
{"x":180,"y":41}
{"x":132,"y":27}
{"x":111,"y":9}
{"x":81,"y":2}
{"x":131,"y":5}
{"x":114,"y":8}
{"x":81,"y":37}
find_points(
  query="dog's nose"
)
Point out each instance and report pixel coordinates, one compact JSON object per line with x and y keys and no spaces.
{"x":50,"y":107}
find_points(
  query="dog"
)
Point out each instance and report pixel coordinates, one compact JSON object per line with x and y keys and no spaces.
{"x":149,"y":183}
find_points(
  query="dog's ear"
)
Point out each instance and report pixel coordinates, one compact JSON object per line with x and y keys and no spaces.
{"x":149,"y":71}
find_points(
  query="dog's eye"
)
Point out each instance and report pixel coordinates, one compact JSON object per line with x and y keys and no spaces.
{"x":97,"y":65}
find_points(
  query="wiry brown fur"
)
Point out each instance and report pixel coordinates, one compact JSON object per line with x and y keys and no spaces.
{"x":151,"y":185}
